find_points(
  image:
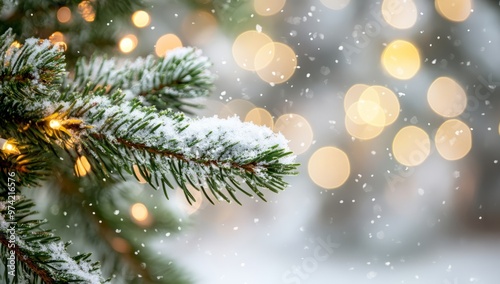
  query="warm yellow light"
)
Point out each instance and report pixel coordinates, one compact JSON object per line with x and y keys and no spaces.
{"x":199,"y":27}
{"x":64,"y":14}
{"x":260,"y":116}
{"x":401,"y":59}
{"x":55,"y":124}
{"x":141,"y":19}
{"x":139,"y":212}
{"x":401,"y":14}
{"x":120,"y":245}
{"x":8,"y":147}
{"x":446,"y":97}
{"x":353,"y":94}
{"x":82,"y":166}
{"x":297,"y":130}
{"x":166,"y":43}
{"x":453,"y":139}
{"x":87,"y":11}
{"x":138,"y":174}
{"x":411,"y":146}
{"x":378,"y":106}
{"x":335,"y":4}
{"x":128,"y":43}
{"x":268,"y":8}
{"x":357,"y":127}
{"x":245,"y":48}
{"x":56,"y":37}
{"x":282,"y":65}
{"x":454,"y":10}
{"x":237,"y":107}
{"x":329,"y":167}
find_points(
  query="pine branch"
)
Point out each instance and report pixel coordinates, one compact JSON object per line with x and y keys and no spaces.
{"x":163,"y":82}
{"x":29,"y":72}
{"x":39,"y":255}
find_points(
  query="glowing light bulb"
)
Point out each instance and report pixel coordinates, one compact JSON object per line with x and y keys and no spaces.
{"x":55,"y":124}
{"x":8,"y":147}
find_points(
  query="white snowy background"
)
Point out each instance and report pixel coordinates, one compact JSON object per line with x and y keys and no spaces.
{"x":438,"y":222}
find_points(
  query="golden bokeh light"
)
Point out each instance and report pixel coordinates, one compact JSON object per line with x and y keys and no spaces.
{"x":335,"y":4}
{"x":141,"y":19}
{"x":329,"y":167}
{"x":120,"y":245}
{"x":357,"y":127}
{"x":128,"y":43}
{"x":82,"y":166}
{"x":64,"y":14}
{"x":86,"y":9}
{"x":57,"y":38}
{"x":411,"y":146}
{"x":237,"y":107}
{"x":138,"y":174}
{"x":446,"y":97}
{"x":282,"y":65}
{"x":401,"y":59}
{"x":379,"y":106}
{"x":184,"y":204}
{"x":139,"y":212}
{"x":199,"y":27}
{"x":166,"y":43}
{"x":245,"y":48}
{"x":260,"y":116}
{"x":453,"y":139}
{"x":454,"y":10}
{"x":353,"y":94}
{"x":297,"y":130}
{"x":401,"y":14}
{"x":268,"y":8}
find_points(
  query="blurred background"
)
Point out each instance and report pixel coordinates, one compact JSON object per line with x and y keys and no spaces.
{"x":392,"y":110}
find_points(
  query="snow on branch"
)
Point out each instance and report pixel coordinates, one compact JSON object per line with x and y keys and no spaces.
{"x":30,"y":71}
{"x":182,"y":73}
{"x":37,"y":252}
{"x":207,"y":152}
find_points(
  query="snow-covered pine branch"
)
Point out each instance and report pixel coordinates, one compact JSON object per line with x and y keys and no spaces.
{"x":29,"y":72}
{"x":208,"y":153}
{"x":163,"y":82}
{"x":37,"y":253}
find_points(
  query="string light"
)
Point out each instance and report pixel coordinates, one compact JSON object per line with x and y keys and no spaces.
{"x":8,"y":146}
{"x":55,"y":124}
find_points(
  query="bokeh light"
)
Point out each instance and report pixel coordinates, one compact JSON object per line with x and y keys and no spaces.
{"x":401,"y":59}
{"x":64,"y":14}
{"x":138,"y":174}
{"x":139,"y":212}
{"x":260,"y":116}
{"x":128,"y":43}
{"x":378,"y":106}
{"x":335,"y":4}
{"x":329,"y":167}
{"x":453,"y":139}
{"x":82,"y":166}
{"x":297,"y":130}
{"x":87,"y":11}
{"x":454,"y":10}
{"x":245,"y":48}
{"x":282,"y":64}
{"x":353,"y":94}
{"x":57,"y":38}
{"x":357,"y":127}
{"x":167,"y":42}
{"x":411,"y":146}
{"x":184,"y":204}
{"x":199,"y":27}
{"x":401,"y":14}
{"x":237,"y":107}
{"x":141,"y":19}
{"x":120,"y":245}
{"x":268,"y":8}
{"x":446,"y":97}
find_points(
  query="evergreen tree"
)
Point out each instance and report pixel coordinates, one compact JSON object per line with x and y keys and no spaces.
{"x":75,"y":131}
